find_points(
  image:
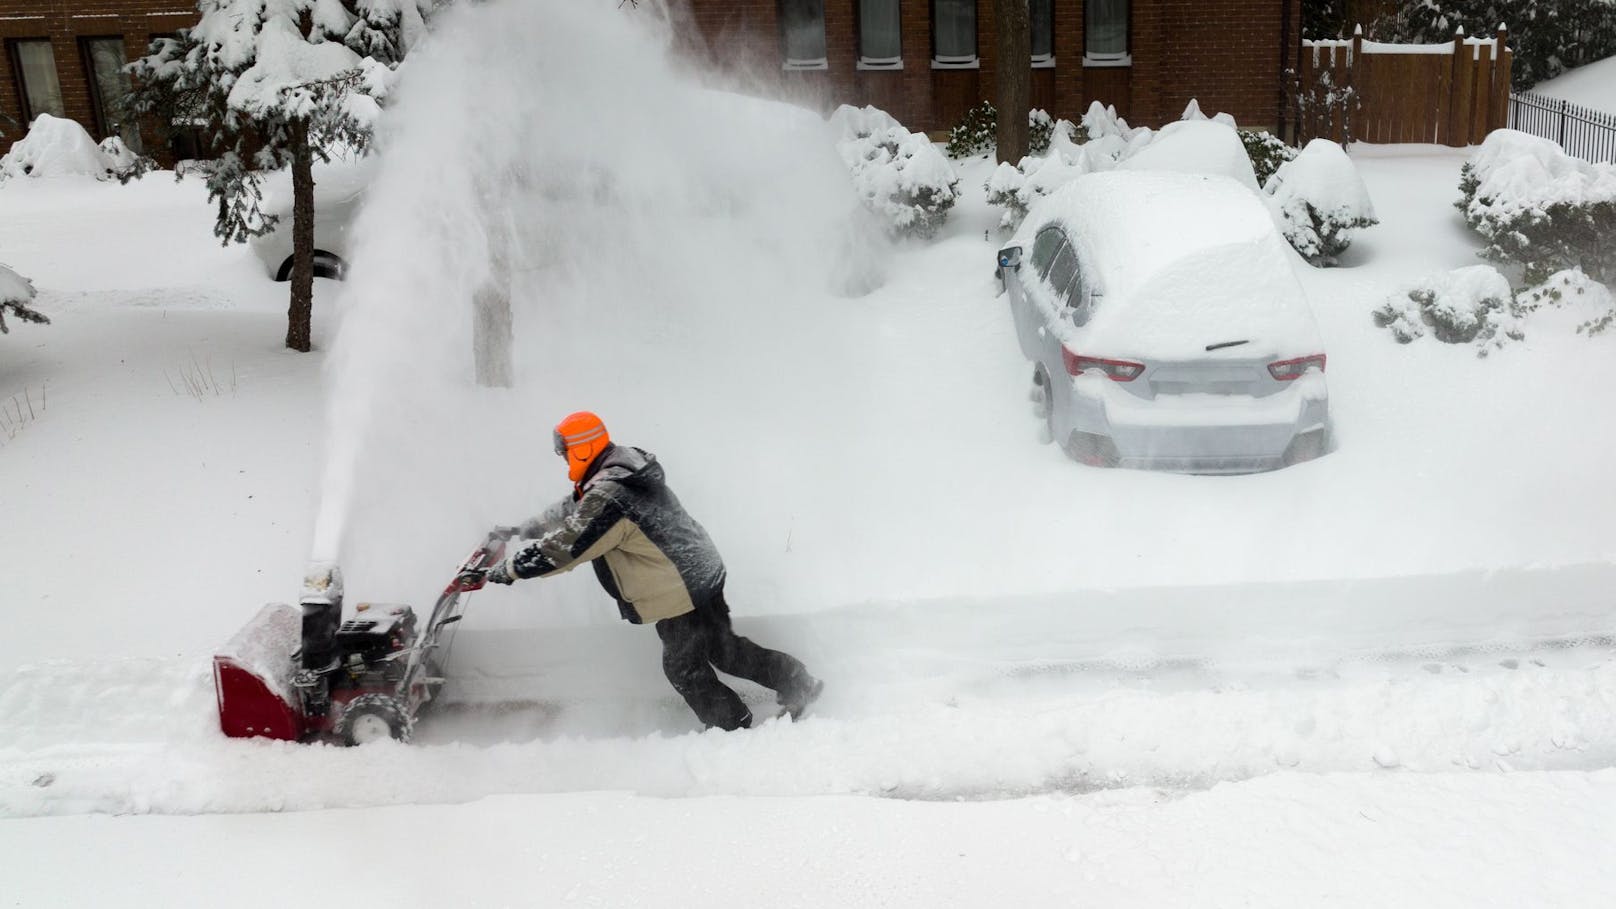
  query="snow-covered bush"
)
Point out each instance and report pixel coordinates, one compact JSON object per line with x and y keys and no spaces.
{"x":898,"y":174}
{"x":56,"y":147}
{"x":1266,"y":151}
{"x":16,"y":293}
{"x":1192,"y":111}
{"x":122,"y":162}
{"x":849,"y":122}
{"x":1193,"y":147}
{"x":1540,"y":207}
{"x":1572,"y":286}
{"x":1016,"y":188}
{"x":976,"y":133}
{"x":1471,"y":305}
{"x":1320,"y":200}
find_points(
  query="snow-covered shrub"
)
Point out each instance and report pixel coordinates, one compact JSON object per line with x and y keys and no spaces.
{"x":977,"y":132}
{"x":1192,"y":111}
{"x":1568,"y":287}
{"x":56,"y":147}
{"x":1471,"y":305}
{"x":1040,"y":130}
{"x":1016,"y":188}
{"x":849,"y":122}
{"x":122,"y":162}
{"x":901,"y":177}
{"x":1192,"y":147}
{"x":1320,"y":200}
{"x":1101,"y":120}
{"x":1266,"y":151}
{"x":1540,"y":207}
{"x":16,"y":293}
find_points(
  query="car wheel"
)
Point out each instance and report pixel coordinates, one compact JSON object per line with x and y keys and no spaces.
{"x":326,"y":265}
{"x":1043,"y":403}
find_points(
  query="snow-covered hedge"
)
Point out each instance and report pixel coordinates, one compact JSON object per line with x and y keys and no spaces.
{"x":1540,"y":207}
{"x":978,"y":131}
{"x":1266,"y":151}
{"x":55,"y":147}
{"x":16,"y":293}
{"x":1320,"y":200}
{"x":1472,"y":305}
{"x":1199,"y":144}
{"x":1572,"y":286}
{"x":898,"y":174}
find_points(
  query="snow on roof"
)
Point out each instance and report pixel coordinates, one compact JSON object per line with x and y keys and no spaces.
{"x":1196,"y":147}
{"x":1178,"y":259}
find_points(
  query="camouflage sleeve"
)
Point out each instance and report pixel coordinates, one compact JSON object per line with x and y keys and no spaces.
{"x":570,"y":534}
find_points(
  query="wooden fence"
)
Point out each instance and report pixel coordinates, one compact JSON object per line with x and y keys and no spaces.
{"x":1583,"y":132}
{"x":1450,"y":94}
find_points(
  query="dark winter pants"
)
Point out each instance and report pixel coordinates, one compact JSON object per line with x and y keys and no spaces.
{"x":696,"y":642}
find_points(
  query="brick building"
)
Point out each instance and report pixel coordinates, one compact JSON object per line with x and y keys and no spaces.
{"x":928,"y":61}
{"x":925,"y":61}
{"x":64,"y":59}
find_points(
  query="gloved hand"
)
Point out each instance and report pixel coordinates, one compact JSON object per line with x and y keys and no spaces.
{"x":499,"y":574}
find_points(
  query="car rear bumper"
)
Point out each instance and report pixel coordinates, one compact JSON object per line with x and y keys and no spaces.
{"x":1198,"y":433}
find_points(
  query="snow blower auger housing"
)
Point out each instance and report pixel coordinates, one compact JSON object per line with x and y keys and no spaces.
{"x":305,"y":674}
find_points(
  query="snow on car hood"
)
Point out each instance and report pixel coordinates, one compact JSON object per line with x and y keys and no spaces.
{"x":1180,"y":261}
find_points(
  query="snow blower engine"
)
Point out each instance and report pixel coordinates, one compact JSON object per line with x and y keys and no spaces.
{"x":308,"y":674}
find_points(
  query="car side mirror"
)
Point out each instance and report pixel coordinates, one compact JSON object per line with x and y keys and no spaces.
{"x":1010,"y":257}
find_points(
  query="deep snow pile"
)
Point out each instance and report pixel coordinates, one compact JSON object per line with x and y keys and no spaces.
{"x":1195,"y":147}
{"x":56,"y":147}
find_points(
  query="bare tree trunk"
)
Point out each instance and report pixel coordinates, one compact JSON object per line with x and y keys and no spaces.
{"x":302,"y":307}
{"x":491,"y":312}
{"x":1014,"y":76}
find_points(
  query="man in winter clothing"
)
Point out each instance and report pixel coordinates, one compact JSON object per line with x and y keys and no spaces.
{"x":659,"y":565}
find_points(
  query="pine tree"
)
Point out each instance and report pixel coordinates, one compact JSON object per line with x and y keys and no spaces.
{"x":275,"y":84}
{"x":16,"y":292}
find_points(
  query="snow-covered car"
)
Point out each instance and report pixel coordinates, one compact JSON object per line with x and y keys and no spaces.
{"x":339,"y":190}
{"x":1166,"y":327}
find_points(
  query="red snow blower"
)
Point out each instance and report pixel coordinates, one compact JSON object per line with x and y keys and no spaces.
{"x":305,"y":674}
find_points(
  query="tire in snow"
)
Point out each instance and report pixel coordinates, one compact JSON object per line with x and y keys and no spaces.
{"x":373,"y":717}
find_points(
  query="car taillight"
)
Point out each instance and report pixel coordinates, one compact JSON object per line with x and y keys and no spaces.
{"x":1286,"y":370}
{"x":1117,"y":370}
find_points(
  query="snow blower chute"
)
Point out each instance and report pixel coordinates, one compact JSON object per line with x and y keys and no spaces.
{"x":304,"y":673}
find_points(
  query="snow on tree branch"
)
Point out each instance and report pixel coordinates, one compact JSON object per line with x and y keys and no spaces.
{"x":16,"y":292}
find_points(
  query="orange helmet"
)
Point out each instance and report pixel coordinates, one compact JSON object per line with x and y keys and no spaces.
{"x":580,"y":438}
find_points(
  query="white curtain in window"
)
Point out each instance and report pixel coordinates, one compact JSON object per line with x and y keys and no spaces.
{"x":954,"y":25}
{"x":803,"y":23}
{"x":1106,"y":31}
{"x":41,"y":90}
{"x":879,"y":38}
{"x":1041,"y":16}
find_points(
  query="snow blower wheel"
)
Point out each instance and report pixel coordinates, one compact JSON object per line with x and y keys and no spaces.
{"x":371,"y":718}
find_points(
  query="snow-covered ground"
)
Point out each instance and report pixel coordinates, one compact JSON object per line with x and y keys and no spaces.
{"x":1380,"y":678}
{"x":1591,"y":85}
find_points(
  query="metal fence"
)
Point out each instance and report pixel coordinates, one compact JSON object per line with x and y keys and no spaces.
{"x":1583,"y":132}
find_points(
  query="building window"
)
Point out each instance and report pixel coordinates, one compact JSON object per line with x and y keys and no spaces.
{"x":1041,"y":19}
{"x":953,"y":25}
{"x":802,"y":24}
{"x":36,"y":75}
{"x":1105,"y":33}
{"x":880,"y":38}
{"x":109,"y":89}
